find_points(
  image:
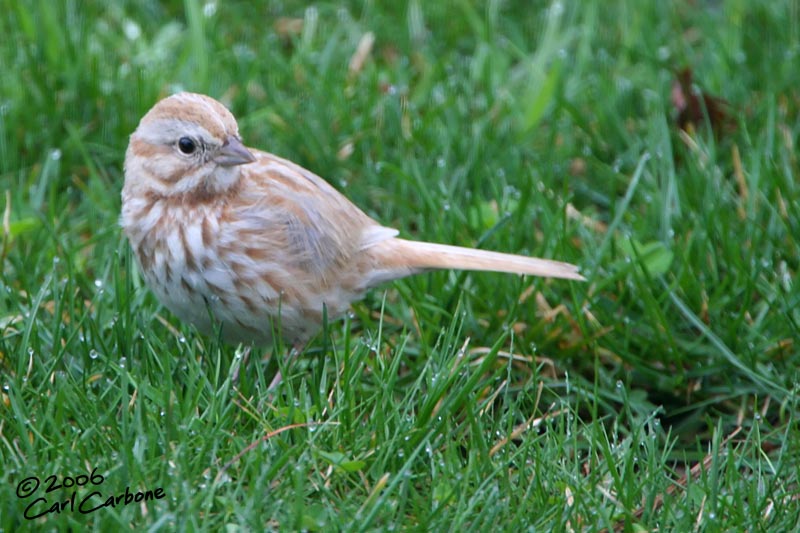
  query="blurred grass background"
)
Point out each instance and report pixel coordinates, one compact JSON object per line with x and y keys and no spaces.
{"x":662,"y":394}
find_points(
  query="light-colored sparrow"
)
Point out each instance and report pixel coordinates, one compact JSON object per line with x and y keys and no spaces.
{"x":239,"y":236}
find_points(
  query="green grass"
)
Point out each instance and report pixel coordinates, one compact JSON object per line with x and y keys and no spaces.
{"x":660,"y":395}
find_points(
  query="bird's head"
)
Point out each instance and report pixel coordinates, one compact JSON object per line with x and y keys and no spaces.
{"x":187,"y":143}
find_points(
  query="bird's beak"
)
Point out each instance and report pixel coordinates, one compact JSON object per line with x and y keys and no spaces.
{"x":233,"y":153}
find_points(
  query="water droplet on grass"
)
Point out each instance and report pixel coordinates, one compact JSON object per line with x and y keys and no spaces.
{"x":131,"y":30}
{"x":209,"y":9}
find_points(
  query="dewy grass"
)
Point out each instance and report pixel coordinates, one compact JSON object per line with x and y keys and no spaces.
{"x":662,"y":394}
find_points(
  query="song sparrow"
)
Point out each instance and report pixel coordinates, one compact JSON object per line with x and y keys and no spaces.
{"x":242,"y":237}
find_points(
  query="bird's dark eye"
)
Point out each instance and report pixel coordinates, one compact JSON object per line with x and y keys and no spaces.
{"x":186,"y":145}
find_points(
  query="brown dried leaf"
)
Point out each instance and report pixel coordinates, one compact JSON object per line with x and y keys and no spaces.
{"x":287,"y":27}
{"x":693,"y":104}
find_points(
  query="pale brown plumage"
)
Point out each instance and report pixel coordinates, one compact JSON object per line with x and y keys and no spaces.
{"x":258,"y":242}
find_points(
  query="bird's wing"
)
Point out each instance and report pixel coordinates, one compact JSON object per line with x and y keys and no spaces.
{"x":313,"y":227}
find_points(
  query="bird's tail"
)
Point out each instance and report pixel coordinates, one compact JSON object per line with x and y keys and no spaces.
{"x":419,"y":256}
